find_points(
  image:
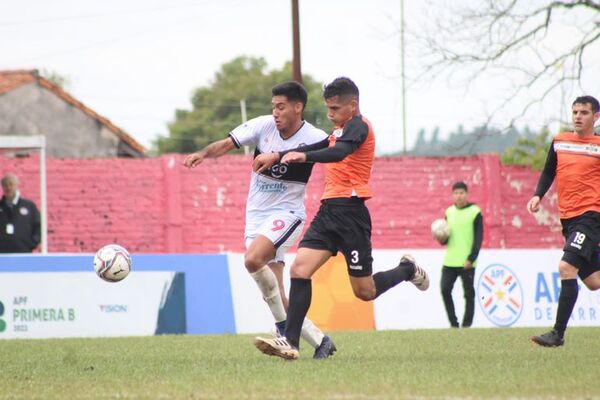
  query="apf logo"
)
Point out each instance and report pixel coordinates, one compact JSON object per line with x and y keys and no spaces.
{"x":500,"y":295}
{"x":2,"y":322}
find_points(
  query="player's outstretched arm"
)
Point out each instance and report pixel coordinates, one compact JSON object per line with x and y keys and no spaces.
{"x":266,"y":160}
{"x":213,"y":150}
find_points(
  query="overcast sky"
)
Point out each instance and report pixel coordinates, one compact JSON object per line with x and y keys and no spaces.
{"x":136,"y":61}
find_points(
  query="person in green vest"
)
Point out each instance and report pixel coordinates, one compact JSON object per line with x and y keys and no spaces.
{"x":466,"y":235}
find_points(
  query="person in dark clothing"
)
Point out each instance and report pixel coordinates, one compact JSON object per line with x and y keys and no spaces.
{"x":19,"y":219}
{"x":466,"y":235}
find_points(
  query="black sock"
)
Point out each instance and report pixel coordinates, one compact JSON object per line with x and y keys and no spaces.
{"x":566,"y":301}
{"x":299,"y":302}
{"x":280,"y":327}
{"x":388,"y":279}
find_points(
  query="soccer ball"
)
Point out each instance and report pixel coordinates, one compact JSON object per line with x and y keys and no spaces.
{"x":112,"y":263}
{"x":440,"y":230}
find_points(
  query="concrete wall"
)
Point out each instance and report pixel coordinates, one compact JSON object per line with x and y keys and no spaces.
{"x":33,"y":110}
{"x":157,"y":206}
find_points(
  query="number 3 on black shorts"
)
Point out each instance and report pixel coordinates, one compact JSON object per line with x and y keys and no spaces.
{"x":354,"y":256}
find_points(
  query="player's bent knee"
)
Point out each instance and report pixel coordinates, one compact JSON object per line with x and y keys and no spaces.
{"x":593,"y":285}
{"x":365,"y":294}
{"x":300,"y":271}
{"x":592,"y":282}
{"x":567,"y":270}
{"x":253,"y":263}
{"x":299,"y":274}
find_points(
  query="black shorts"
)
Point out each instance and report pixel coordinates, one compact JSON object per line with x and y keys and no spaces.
{"x":343,"y":225}
{"x":582,"y":236}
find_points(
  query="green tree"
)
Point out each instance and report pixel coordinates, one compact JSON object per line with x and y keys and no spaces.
{"x":529,"y":150}
{"x":216,"y":108}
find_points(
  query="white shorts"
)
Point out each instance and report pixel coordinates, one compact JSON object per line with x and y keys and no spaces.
{"x":282,"y":229}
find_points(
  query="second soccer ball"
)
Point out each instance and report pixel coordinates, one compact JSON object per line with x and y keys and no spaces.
{"x":440,"y":230}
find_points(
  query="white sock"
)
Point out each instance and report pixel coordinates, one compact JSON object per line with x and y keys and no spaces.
{"x":311,"y":333}
{"x":267,"y":283}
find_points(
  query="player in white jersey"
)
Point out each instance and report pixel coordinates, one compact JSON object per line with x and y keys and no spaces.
{"x":275,"y":212}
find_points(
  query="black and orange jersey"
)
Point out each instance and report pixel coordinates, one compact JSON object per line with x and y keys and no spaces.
{"x":575,"y":162}
{"x":350,"y":176}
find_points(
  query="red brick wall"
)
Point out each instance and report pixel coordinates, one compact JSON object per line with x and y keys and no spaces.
{"x":157,"y":206}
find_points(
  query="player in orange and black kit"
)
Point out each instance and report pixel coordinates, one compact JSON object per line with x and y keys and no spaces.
{"x":574,"y":159}
{"x":343,"y":222}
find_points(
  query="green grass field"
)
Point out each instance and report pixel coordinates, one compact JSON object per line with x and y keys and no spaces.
{"x":415,"y":364}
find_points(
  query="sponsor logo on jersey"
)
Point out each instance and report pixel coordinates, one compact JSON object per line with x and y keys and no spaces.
{"x":583,"y":148}
{"x":278,"y":170}
{"x":270,"y":187}
{"x":593,"y":149}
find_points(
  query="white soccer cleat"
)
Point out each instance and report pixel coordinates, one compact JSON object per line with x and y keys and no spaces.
{"x":278,"y":347}
{"x":420,"y":277}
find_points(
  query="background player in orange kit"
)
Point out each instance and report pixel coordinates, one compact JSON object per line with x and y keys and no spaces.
{"x":574,"y":160}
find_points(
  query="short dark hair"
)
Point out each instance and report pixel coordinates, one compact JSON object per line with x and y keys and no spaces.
{"x":293,"y":90}
{"x":341,"y":87}
{"x":588,"y":100}
{"x":460,"y":185}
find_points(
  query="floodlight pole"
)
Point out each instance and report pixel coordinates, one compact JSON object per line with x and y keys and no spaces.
{"x":296,"y":65}
{"x":402,"y":48}
{"x":43,"y":203}
{"x":244,"y":119}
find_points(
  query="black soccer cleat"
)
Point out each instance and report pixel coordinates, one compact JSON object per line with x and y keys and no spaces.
{"x":549,"y":339}
{"x":325,"y":349}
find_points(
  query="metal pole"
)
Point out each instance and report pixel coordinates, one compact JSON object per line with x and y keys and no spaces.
{"x":244,"y":119}
{"x":402,"y":48}
{"x":296,"y":64}
{"x":43,"y":204}
{"x":243,"y":110}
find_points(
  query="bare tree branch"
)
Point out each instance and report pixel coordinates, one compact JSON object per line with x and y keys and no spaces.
{"x":532,"y":45}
